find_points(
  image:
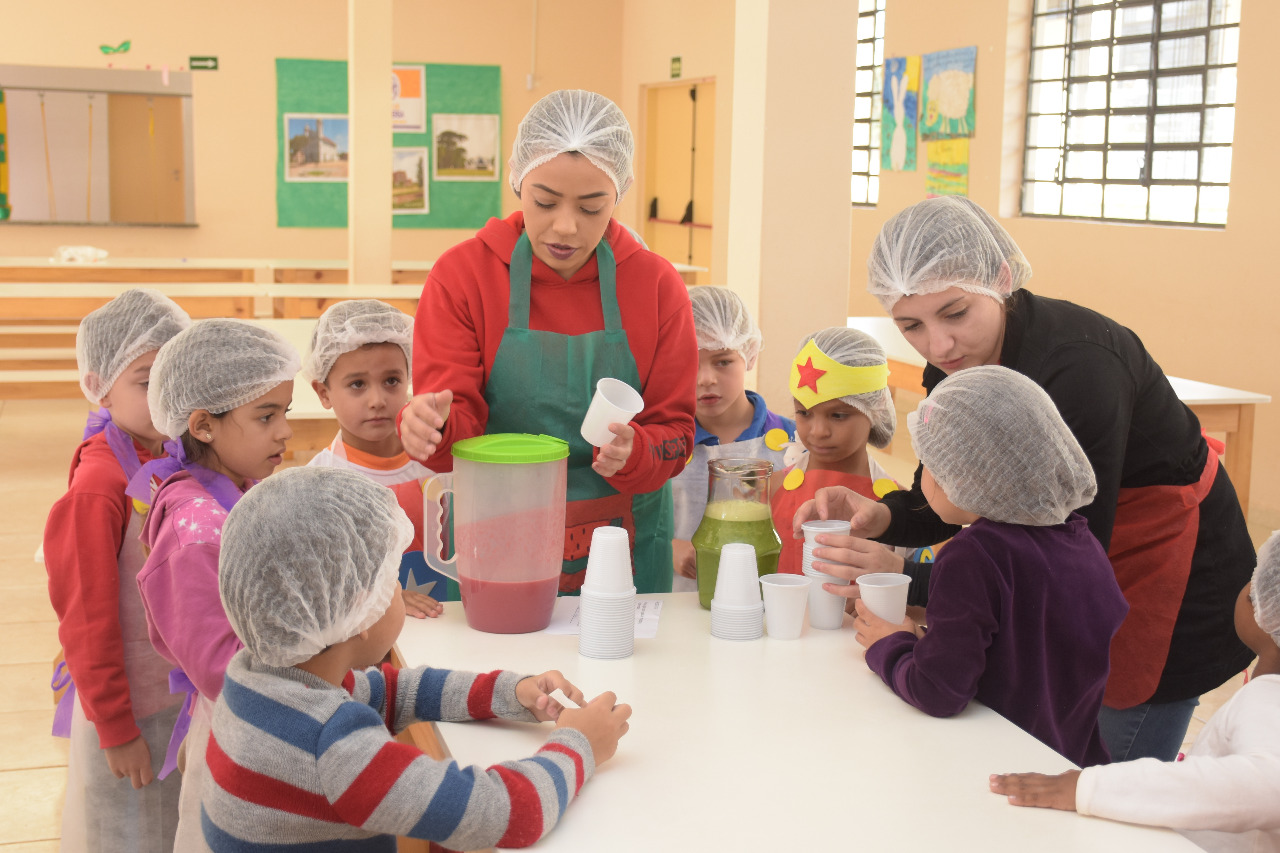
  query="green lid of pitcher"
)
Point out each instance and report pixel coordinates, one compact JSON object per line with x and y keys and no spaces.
{"x":511,"y":448}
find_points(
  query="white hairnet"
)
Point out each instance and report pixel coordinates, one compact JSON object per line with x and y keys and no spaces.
{"x":310,"y":557}
{"x":574,"y":120}
{"x":1266,"y":587}
{"x":216,"y":365}
{"x":721,"y":321}
{"x":939,"y":243}
{"x":995,"y":443}
{"x":112,"y":337}
{"x":351,"y":324}
{"x":853,"y":348}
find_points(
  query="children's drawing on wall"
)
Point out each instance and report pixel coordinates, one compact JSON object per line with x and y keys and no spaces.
{"x":408,"y":99}
{"x":947,"y":110}
{"x":409,"y":181}
{"x":898,"y":117}
{"x":948,"y":169}
{"x":466,"y":147}
{"x":318,"y":147}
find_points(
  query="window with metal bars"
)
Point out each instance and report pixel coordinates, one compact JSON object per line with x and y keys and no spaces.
{"x":1131,"y":110}
{"x":864,"y":185}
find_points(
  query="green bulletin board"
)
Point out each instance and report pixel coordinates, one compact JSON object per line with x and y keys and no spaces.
{"x":320,"y":86}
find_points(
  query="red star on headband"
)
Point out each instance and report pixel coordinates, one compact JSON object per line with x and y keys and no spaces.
{"x":809,"y":375}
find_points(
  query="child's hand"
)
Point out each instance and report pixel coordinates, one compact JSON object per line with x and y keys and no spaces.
{"x":1036,"y":789}
{"x":132,"y":759}
{"x":611,"y":457}
{"x":868,"y":518}
{"x":684,"y":558}
{"x":532,"y":693}
{"x":603,"y":721}
{"x":420,"y":606}
{"x":851,"y":557}
{"x":871,"y":627}
{"x":422,"y":422}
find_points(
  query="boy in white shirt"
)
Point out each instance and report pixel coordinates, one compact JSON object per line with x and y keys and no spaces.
{"x":1225,"y":795}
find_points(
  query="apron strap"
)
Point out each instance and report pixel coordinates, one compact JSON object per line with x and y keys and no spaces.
{"x":522,"y":274}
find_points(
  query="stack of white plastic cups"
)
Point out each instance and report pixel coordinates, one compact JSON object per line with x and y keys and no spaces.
{"x":607,"y":604}
{"x":737,"y":612}
{"x":826,"y":611}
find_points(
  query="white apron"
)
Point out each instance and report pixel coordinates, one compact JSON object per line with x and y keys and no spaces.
{"x":103,"y":814}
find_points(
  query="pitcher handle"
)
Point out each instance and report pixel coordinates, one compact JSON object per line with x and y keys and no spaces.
{"x":433,"y":525}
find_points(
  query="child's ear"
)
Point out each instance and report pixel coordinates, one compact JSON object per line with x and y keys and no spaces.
{"x":200,"y":425}
{"x":322,"y":391}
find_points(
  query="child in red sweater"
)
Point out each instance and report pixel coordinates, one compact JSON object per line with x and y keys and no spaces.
{"x":122,"y":711}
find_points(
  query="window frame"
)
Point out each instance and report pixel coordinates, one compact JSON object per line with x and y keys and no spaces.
{"x":874,"y":10}
{"x":1071,"y":13}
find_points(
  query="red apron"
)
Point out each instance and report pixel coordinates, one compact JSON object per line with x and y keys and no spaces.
{"x":784,"y":503}
{"x":1152,"y":544}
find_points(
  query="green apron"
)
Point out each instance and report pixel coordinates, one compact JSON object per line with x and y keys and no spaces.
{"x":543,"y":382}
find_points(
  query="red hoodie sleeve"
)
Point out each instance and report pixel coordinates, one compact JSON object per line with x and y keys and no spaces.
{"x":82,"y":539}
{"x":448,"y":354}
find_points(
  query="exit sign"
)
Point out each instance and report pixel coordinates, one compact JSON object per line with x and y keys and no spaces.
{"x":675,"y":68}
{"x":203,"y":63}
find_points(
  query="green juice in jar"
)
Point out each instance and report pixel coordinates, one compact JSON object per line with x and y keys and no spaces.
{"x":733,"y":521}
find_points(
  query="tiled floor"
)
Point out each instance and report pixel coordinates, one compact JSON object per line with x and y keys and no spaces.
{"x":36,"y":440}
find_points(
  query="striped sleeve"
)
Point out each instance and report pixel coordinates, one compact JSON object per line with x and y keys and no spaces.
{"x":404,"y":697}
{"x":383,"y":786}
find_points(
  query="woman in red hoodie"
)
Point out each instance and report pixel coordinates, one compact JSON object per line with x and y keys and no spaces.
{"x":517,"y":324}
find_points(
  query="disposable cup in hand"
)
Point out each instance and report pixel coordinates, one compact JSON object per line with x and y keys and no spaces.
{"x":609,"y":562}
{"x":785,"y":597}
{"x":885,"y":594}
{"x":615,"y":402}
{"x":826,"y":611}
{"x":738,"y":579}
{"x":813,"y":528}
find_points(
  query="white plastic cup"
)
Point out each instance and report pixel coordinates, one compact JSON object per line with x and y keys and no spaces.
{"x":813,"y":528}
{"x":785,"y":597}
{"x":615,"y":402}
{"x":885,"y":594}
{"x":826,"y":610}
{"x":738,"y":579}
{"x":606,"y":625}
{"x":609,"y":562}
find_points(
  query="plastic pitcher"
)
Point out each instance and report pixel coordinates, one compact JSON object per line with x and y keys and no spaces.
{"x":508,"y":498}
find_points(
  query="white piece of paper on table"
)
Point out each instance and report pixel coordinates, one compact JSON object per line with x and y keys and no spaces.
{"x":564,"y":619}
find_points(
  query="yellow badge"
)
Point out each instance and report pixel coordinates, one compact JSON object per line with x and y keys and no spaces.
{"x":792,"y":481}
{"x":884,"y":486}
{"x":816,"y":378}
{"x":776,"y":439}
{"x":140,"y":508}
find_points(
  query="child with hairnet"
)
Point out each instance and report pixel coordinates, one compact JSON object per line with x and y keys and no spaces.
{"x":729,"y":419}
{"x":121,"y":711}
{"x":359,"y":367}
{"x":840,"y":386}
{"x":219,"y":391}
{"x":1224,"y":795}
{"x":517,"y":325}
{"x":1022,"y":602}
{"x":302,"y":755}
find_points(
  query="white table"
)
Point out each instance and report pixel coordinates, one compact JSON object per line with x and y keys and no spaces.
{"x":1219,"y":409}
{"x":768,"y":745}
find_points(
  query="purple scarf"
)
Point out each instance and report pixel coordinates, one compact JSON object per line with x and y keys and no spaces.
{"x":117,"y":439}
{"x":158,"y":470}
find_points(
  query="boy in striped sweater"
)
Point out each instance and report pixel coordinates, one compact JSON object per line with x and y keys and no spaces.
{"x":302,"y":753}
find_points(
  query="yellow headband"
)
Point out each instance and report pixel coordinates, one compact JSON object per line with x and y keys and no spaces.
{"x":817,"y":378}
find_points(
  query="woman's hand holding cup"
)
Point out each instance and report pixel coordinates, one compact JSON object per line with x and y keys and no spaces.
{"x":867,"y":518}
{"x":851,"y":557}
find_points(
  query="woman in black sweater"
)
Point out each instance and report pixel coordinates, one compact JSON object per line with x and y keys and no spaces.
{"x":1166,"y":512}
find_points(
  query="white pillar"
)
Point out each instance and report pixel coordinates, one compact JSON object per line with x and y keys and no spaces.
{"x":369,"y":107}
{"x":789,"y":223}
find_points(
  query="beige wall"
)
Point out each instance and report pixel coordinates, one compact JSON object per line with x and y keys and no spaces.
{"x":1202,"y":300}
{"x":235,"y":106}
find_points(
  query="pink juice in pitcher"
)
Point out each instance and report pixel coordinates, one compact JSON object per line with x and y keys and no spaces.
{"x":509,"y":570}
